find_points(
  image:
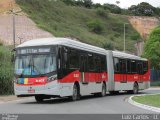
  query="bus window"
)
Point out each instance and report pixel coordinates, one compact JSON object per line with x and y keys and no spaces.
{"x":91,"y":62}
{"x":116,"y":65}
{"x":123,"y":66}
{"x":97,"y":64}
{"x":128,"y":66}
{"x":145,"y":67}
{"x":73,"y":59}
{"x":83,"y":63}
{"x":133,"y":66}
{"x":103,"y":64}
{"x":139,"y":67}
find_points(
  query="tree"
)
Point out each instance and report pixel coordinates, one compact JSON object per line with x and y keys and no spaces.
{"x":117,"y":2}
{"x":97,"y":5}
{"x":79,"y":3}
{"x":112,"y":8}
{"x":88,"y":3}
{"x":152,"y":51}
{"x":69,"y":2}
{"x":143,"y":9}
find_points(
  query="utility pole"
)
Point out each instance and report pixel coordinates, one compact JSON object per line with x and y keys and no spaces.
{"x":14,"y":31}
{"x":14,"y":13}
{"x":124,"y":50}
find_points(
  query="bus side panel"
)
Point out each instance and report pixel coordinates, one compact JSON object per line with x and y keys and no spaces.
{"x":71,"y":77}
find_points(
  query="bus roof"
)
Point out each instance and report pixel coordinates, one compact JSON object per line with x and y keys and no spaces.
{"x":126,"y":55}
{"x":62,"y":41}
{"x":75,"y":44}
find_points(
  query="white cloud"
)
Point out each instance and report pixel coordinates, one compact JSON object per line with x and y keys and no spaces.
{"x":128,"y":3}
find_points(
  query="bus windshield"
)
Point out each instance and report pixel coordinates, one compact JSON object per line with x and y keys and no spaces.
{"x":31,"y":65}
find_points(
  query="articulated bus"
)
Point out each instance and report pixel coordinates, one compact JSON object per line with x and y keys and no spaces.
{"x":60,"y":67}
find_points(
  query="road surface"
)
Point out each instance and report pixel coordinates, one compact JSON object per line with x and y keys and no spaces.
{"x":111,"y":104}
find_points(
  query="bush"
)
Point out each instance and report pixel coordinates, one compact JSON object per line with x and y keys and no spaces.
{"x":95,"y":26}
{"x":108,"y":46}
{"x":102,"y":12}
{"x":117,"y":35}
{"x":6,"y":71}
{"x":135,"y":36}
{"x":1,"y":43}
{"x":112,"y":38}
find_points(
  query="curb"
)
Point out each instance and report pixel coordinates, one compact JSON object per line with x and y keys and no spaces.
{"x":147,"y":107}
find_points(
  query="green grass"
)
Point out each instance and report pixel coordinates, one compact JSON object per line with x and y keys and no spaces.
{"x":70,"y":21}
{"x":152,"y":100}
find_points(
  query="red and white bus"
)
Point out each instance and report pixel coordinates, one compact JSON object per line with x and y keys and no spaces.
{"x":60,"y":67}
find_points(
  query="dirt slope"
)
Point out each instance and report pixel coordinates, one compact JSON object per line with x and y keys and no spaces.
{"x":25,"y":29}
{"x":144,"y":25}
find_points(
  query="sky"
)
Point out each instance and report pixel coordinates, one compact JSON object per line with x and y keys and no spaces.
{"x":128,"y":3}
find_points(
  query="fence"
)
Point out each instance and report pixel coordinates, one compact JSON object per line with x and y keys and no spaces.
{"x":155,"y":75}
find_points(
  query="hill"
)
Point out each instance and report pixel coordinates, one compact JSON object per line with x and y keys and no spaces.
{"x":78,"y":22}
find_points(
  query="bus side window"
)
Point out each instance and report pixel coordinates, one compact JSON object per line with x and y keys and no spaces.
{"x":83,"y":62}
{"x":103,"y":64}
{"x":91,"y":62}
{"x":97,"y":64}
{"x":133,"y":66}
{"x":116,"y":65}
{"x":123,"y":66}
{"x":128,"y":66}
{"x":145,"y":67}
{"x":73,"y":59}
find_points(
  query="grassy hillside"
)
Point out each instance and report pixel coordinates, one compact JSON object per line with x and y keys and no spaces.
{"x":77,"y":22}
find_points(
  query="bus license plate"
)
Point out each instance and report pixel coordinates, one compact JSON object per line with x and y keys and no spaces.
{"x":31,"y":91}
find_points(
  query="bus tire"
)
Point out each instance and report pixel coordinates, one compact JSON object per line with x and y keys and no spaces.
{"x":76,"y":93}
{"x":135,"y":88}
{"x":39,"y":98}
{"x":103,"y":92}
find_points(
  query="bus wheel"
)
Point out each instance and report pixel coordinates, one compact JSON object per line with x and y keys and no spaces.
{"x":103,"y":93}
{"x":135,"y":88}
{"x":39,"y":98}
{"x":75,"y":95}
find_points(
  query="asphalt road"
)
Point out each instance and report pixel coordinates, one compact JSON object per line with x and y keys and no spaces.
{"x":111,"y":104}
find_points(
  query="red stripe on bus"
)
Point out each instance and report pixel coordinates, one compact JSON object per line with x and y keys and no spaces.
{"x":88,"y":77}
